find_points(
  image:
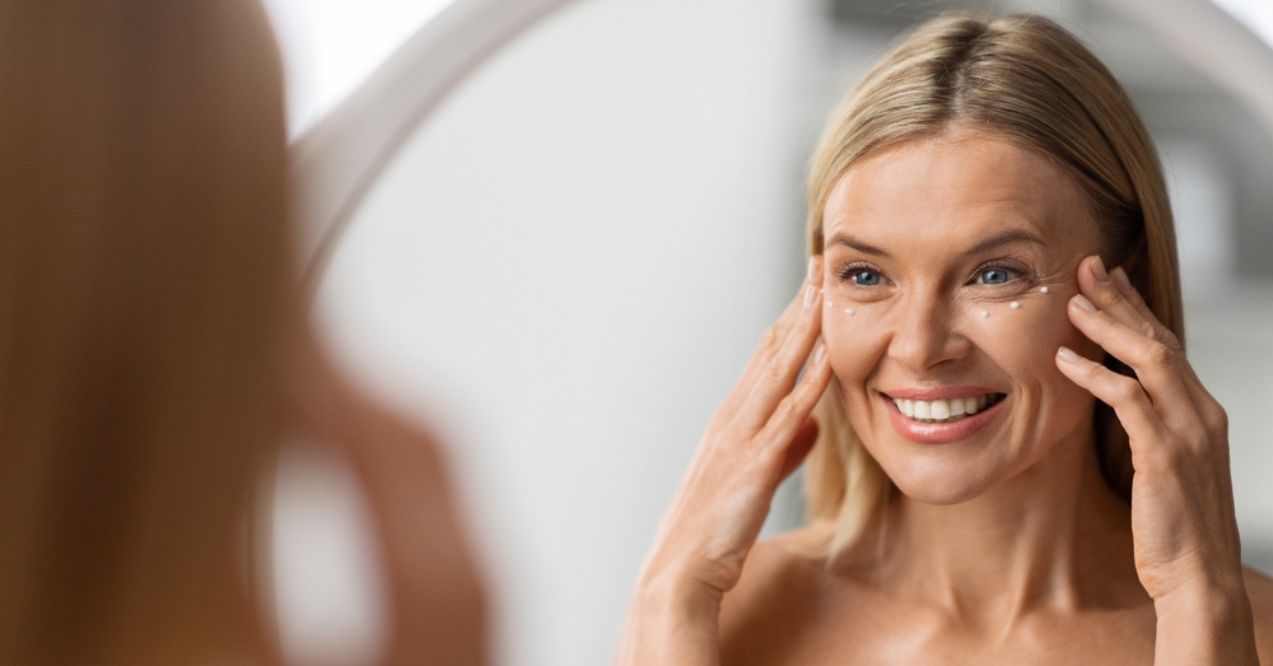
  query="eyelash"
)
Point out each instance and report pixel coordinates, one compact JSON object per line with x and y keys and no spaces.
{"x":846,"y":273}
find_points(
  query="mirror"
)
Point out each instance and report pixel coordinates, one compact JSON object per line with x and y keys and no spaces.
{"x":565,"y":264}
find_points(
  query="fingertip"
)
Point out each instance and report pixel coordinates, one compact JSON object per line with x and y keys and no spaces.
{"x":1067,"y":355}
{"x":1083,"y":303}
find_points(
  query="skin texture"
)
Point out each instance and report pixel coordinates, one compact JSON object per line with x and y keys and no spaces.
{"x":1007,"y":546}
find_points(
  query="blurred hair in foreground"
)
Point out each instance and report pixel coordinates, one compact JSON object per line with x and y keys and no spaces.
{"x":153,"y":351}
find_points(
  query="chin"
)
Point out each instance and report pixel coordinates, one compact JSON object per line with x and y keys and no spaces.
{"x":940,"y":481}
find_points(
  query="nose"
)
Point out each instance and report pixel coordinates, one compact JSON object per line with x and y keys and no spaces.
{"x":925,"y":335}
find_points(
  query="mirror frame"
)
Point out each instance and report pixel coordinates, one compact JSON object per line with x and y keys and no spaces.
{"x":338,"y":160}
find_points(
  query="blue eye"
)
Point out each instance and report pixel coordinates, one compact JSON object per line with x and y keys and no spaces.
{"x":995,"y":275}
{"x":864,"y":277}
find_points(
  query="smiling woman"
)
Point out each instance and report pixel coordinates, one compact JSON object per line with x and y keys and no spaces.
{"x":1009,"y":448}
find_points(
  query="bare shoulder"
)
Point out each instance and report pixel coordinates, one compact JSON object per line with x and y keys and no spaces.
{"x":1259,"y":589}
{"x":777,"y":592}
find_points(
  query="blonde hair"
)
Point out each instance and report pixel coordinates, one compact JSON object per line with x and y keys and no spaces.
{"x":147,"y":290}
{"x":1024,"y":77}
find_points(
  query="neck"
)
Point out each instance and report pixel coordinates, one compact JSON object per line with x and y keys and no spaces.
{"x":1053,"y":537}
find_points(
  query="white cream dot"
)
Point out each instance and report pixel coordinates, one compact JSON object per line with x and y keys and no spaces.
{"x":1043,"y":290}
{"x":848,"y":311}
{"x":985,"y":313}
{"x":1015,"y":305}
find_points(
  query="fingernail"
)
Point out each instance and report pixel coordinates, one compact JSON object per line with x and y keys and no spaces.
{"x":1098,"y":269}
{"x":1067,"y":354}
{"x":1084,"y":303}
{"x":808,"y":274}
{"x":810,"y":292}
{"x":819,"y":353}
{"x":1121,"y":276}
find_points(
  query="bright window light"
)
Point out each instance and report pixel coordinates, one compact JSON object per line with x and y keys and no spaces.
{"x":331,"y":46}
{"x":1257,"y":15}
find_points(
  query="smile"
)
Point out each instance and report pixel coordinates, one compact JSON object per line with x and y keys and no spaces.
{"x":946,"y":411}
{"x":943,"y":420}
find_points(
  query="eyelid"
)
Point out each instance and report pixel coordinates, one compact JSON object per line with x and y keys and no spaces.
{"x":846,"y":273}
{"x":1001,"y":264}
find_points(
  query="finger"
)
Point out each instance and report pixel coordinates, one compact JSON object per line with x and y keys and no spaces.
{"x":1156,"y":364}
{"x":1129,"y":292}
{"x":1122,"y":393}
{"x":775,"y":378}
{"x":1132,"y":295}
{"x":1109,"y":296}
{"x":1117,"y":297}
{"x":773,"y":339}
{"x":792,"y":411}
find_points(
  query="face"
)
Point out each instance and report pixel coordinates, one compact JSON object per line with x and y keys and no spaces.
{"x":949,"y":261}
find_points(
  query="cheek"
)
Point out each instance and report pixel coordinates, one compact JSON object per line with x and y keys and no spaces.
{"x":855,"y":338}
{"x":1022,"y":342}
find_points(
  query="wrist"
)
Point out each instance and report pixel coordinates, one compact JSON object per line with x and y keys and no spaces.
{"x":1221,"y":597}
{"x":1205,"y":623}
{"x":677,"y":590}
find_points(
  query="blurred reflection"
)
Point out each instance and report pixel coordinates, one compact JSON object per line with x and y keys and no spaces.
{"x":154,"y":353}
{"x":615,"y":200}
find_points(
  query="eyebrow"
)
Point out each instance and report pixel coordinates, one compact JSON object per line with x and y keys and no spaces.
{"x":1002,"y":238}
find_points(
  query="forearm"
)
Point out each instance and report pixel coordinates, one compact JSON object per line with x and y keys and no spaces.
{"x":671,"y":623}
{"x":1210,"y":625}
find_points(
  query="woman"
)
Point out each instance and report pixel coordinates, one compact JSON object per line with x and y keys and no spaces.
{"x":154,"y":351}
{"x":993,"y":277}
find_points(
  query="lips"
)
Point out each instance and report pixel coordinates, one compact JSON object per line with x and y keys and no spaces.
{"x":933,"y":432}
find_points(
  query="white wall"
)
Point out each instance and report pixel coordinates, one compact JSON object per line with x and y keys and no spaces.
{"x":567,"y":268}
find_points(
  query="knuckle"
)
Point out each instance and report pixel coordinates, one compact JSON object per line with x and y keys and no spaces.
{"x":774,"y":369}
{"x":1216,"y":418}
{"x":1159,"y":353}
{"x":1126,"y":389}
{"x":770,"y":339}
{"x":1110,"y":293}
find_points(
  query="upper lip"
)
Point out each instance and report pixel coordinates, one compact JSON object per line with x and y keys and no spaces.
{"x":938,"y":392}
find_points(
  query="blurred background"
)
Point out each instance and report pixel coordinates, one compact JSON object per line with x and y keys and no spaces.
{"x":567,"y":264}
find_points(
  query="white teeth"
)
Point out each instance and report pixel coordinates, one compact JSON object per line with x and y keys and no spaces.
{"x":941,"y":410}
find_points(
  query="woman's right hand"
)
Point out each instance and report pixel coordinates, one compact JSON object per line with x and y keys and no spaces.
{"x":757,"y":437}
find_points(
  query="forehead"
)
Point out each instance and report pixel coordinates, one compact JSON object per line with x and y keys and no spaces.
{"x":957,"y":184}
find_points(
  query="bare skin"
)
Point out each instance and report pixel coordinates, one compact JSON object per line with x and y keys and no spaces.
{"x":1006,"y":546}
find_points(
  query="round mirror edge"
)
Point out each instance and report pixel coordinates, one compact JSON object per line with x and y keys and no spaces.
{"x":1228,"y":60}
{"x":335,"y":163}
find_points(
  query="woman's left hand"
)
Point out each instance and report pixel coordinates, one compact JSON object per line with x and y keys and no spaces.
{"x":1184,"y":528}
